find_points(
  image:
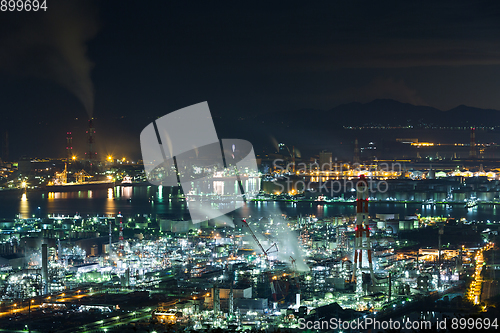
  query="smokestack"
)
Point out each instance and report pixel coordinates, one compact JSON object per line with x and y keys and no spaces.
{"x":231,"y":299}
{"x":120,"y":235}
{"x":59,"y":250}
{"x":390,"y":288}
{"x":45,"y":269}
{"x":90,"y":142}
{"x":472,"y":153}
{"x":69,"y":146}
{"x":230,"y":270}
{"x":109,"y":250}
{"x":356,"y":151}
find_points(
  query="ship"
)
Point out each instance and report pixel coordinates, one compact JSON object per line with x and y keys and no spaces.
{"x":471,"y":203}
{"x":68,"y":187}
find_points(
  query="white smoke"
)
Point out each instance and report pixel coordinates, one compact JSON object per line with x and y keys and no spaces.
{"x":289,"y":247}
{"x":51,"y":45}
{"x":276,"y":230}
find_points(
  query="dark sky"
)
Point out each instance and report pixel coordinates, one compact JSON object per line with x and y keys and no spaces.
{"x":140,"y":60}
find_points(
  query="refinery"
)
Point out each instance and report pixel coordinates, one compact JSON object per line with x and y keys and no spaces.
{"x":259,"y":268}
{"x":345,"y":178}
{"x":314,"y":242}
{"x":152,"y":272}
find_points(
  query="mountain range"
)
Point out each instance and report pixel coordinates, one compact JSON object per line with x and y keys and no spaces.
{"x":309,"y":130}
{"x":386,"y":112}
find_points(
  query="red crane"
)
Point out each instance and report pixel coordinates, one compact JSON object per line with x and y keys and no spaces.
{"x":266,"y":253}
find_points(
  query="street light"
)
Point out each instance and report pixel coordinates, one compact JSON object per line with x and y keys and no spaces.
{"x":29,"y":315}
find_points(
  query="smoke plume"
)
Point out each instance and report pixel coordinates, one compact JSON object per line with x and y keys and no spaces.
{"x":286,"y":240}
{"x":51,"y":45}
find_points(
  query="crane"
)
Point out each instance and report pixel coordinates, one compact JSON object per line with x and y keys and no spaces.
{"x":82,"y":176}
{"x":294,"y":264}
{"x":294,"y":275}
{"x":266,"y":254}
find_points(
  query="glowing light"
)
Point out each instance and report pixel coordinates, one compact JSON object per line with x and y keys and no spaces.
{"x":422,"y":144}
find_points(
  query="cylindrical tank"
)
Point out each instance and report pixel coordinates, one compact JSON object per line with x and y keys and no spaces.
{"x":405,"y":225}
{"x":439,"y":196}
{"x":459,"y":196}
{"x":392,"y":225}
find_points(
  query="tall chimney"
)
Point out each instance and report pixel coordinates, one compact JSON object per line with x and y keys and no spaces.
{"x":69,"y":146}
{"x":472,"y":152}
{"x":45,"y":269}
{"x":91,"y":154}
{"x":356,"y":152}
{"x":110,"y":238}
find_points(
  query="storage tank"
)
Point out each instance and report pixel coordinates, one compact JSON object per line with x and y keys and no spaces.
{"x":439,"y":196}
{"x":381,"y":225}
{"x":392,"y":227}
{"x":405,"y":225}
{"x":421,"y":196}
{"x":459,"y":196}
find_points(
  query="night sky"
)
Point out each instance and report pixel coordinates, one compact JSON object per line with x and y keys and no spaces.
{"x":128,"y":62}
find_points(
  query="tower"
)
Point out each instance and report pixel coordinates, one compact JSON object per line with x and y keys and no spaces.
{"x":90,"y":154}
{"x":45,"y":269}
{"x":472,"y":152}
{"x":325,"y":161}
{"x":120,"y":238}
{"x":69,"y":146}
{"x":440,"y":232}
{"x":356,"y":152}
{"x":231,"y":292}
{"x":362,"y":234}
{"x":109,"y":251}
{"x":216,"y":299}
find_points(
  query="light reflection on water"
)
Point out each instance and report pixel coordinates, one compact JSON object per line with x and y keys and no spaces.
{"x":110,"y":207}
{"x":24,"y":208}
{"x":154,"y":200}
